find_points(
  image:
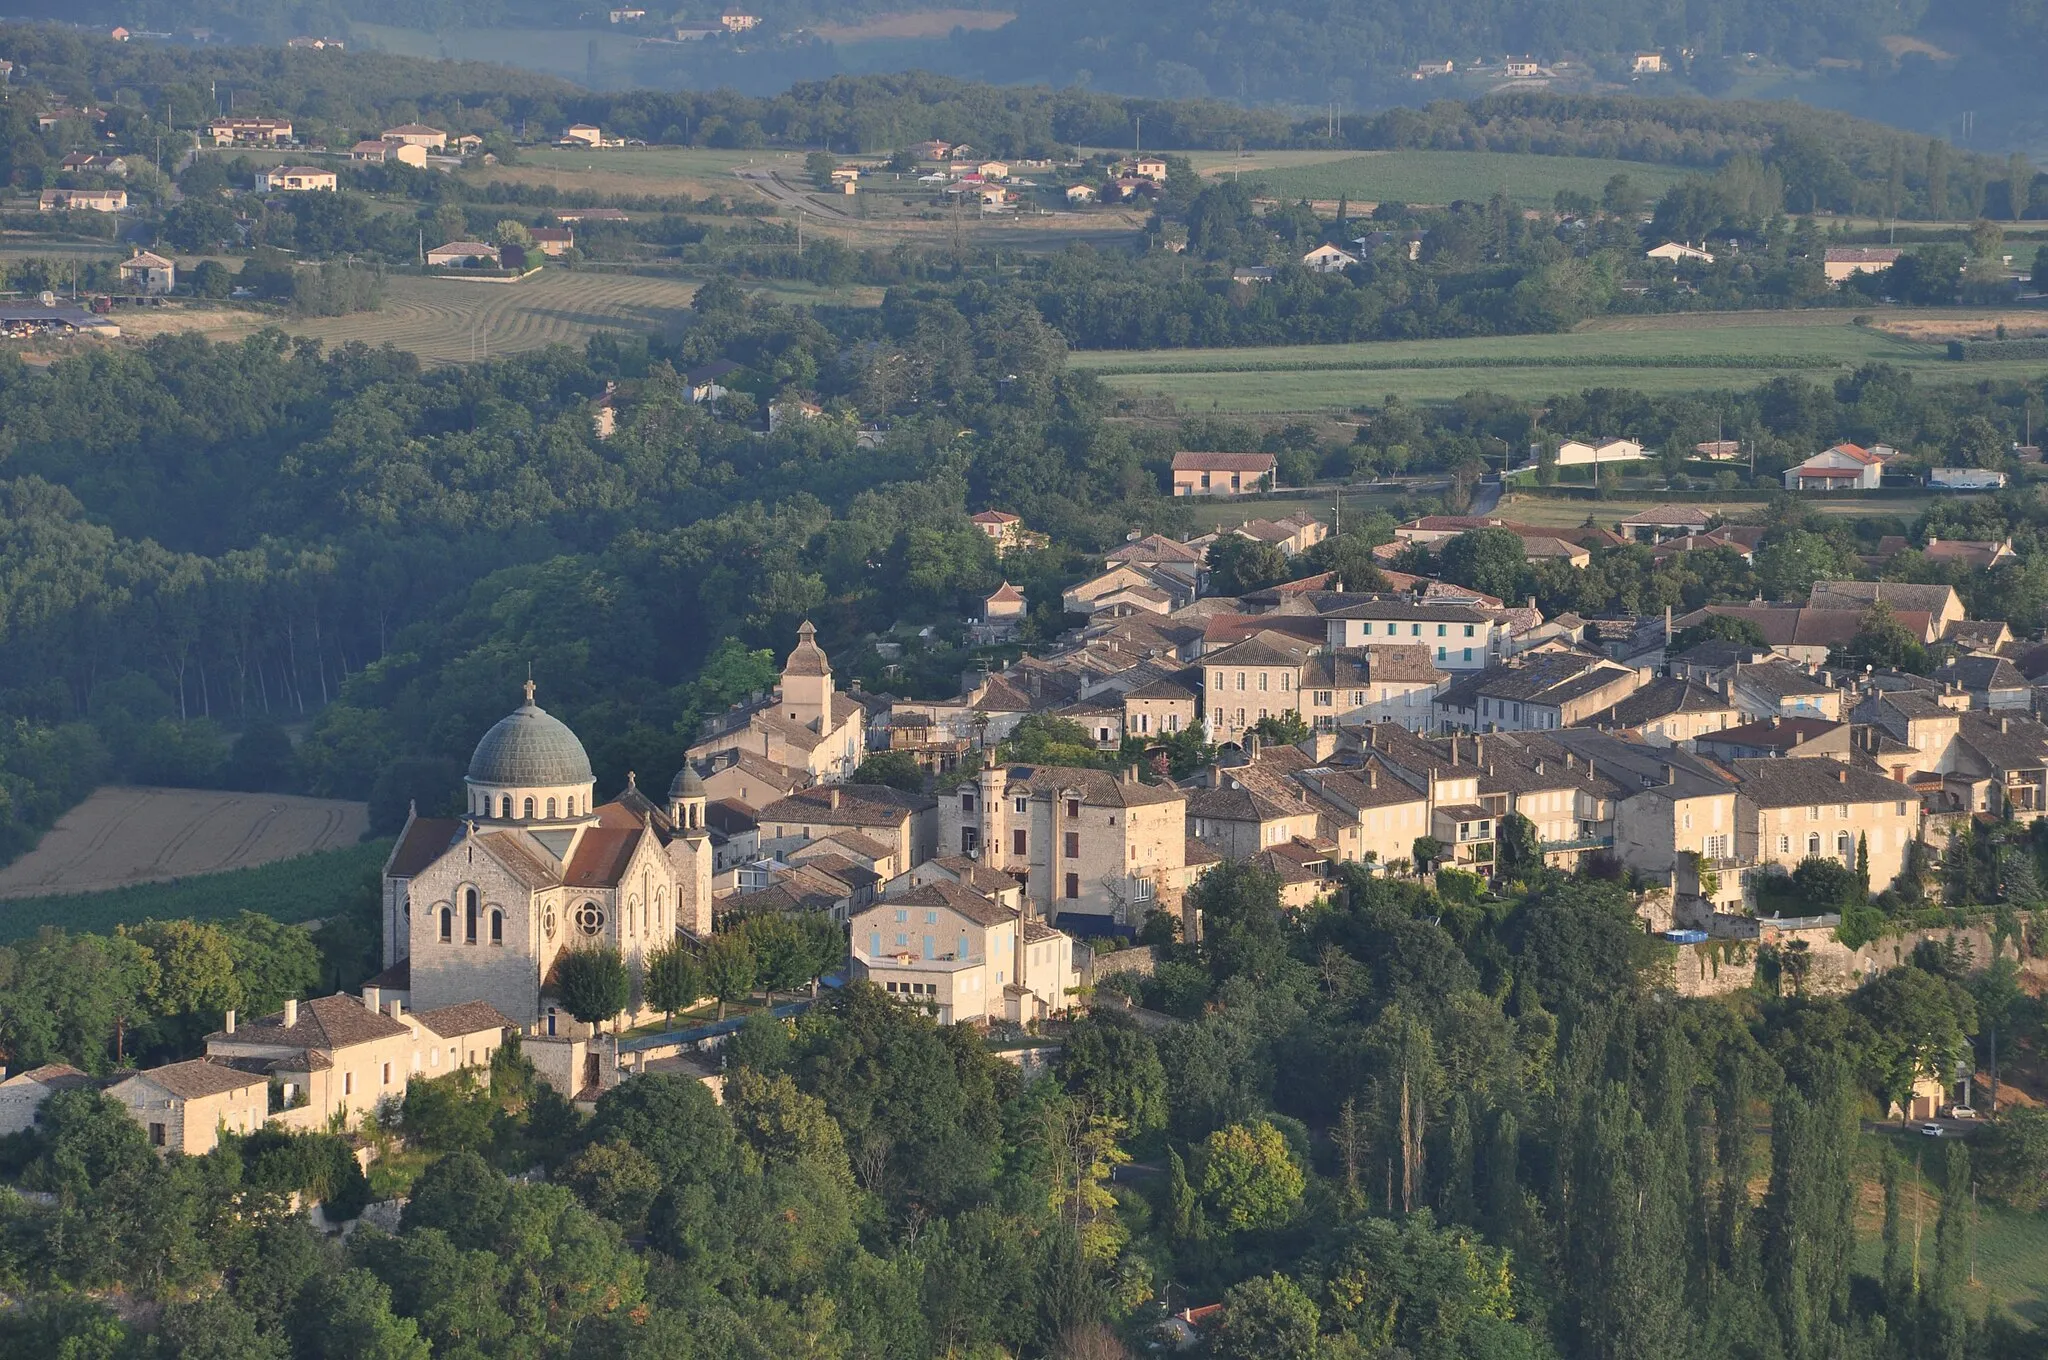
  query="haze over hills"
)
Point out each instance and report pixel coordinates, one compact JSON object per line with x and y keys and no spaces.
{"x":1961,"y":74}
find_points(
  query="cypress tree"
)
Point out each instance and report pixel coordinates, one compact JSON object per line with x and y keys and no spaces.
{"x":1948,"y":1327}
{"x":1899,"y":1285}
{"x":1458,"y":1202}
{"x":1807,"y":1226}
{"x":1503,"y":1179}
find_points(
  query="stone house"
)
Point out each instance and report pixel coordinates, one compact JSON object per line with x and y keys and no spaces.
{"x":1222,"y":474}
{"x":184,"y":1106}
{"x":23,"y":1094}
{"x":906,"y":823}
{"x":1788,"y":810}
{"x":1458,"y":636}
{"x":1539,"y":692}
{"x":947,"y":948}
{"x":1159,"y":708}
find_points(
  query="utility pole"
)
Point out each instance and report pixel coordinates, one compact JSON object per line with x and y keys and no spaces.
{"x":1139,"y":141}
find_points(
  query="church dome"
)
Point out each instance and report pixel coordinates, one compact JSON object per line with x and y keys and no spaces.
{"x":529,"y":748}
{"x":688,"y":783}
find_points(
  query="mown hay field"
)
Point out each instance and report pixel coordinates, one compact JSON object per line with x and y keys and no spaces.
{"x":1673,"y":353}
{"x":126,"y":835}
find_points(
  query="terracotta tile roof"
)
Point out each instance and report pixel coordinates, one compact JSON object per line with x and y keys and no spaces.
{"x":425,"y":841}
{"x":328,"y":1022}
{"x":601,"y":856}
{"x":1223,"y":462}
{"x":1772,"y":783}
{"x":199,"y":1078}
{"x":962,"y":901}
{"x":1784,"y":734}
{"x":1098,"y":788}
{"x":1201,"y":852}
{"x":467,"y":1017}
{"x":56,"y":1076}
{"x":521,"y":858}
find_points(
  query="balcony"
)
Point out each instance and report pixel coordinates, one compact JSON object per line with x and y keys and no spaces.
{"x":1580,"y":843}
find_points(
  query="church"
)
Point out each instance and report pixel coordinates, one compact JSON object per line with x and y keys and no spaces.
{"x":482,"y":906}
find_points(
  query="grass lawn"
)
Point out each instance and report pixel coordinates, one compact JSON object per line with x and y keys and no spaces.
{"x":1320,"y":502}
{"x":1694,"y":352}
{"x":2011,"y":1246}
{"x":1445,"y":176}
{"x":308,"y":888}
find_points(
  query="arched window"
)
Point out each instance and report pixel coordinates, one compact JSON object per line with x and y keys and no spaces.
{"x":447,"y":925}
{"x":551,"y":809}
{"x":1842,"y":845}
{"x":529,"y":809}
{"x":497,"y":926}
{"x":1813,"y":842}
{"x":469,"y":918}
{"x":590,"y":918}
{"x":505,"y":808}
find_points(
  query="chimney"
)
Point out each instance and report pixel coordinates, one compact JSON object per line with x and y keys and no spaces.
{"x":1670,"y":775}
{"x":291,"y":1012}
{"x":228,"y":1025}
{"x":1251,"y":746}
{"x":1454,"y":750}
{"x":373,"y":999}
{"x":2005,"y":725}
{"x":1797,"y":737}
{"x":1776,"y":720}
{"x":1372,"y":781}
{"x":832,"y":797}
{"x":1539,"y":767}
{"x":1842,"y":775}
{"x":396,"y":1008}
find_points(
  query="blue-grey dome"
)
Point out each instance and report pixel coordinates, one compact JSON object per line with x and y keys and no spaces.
{"x":528,"y":748}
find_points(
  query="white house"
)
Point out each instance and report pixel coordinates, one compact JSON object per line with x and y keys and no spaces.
{"x":1576,"y":453}
{"x":1675,"y":251}
{"x":1845,"y":467}
{"x":1328,"y":259}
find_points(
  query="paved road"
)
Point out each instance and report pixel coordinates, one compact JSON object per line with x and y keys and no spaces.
{"x":789,"y":195}
{"x":1485,"y":497}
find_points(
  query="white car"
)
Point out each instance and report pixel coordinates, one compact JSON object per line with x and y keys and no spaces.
{"x":1933,"y":1130}
{"x":1961,"y":1112}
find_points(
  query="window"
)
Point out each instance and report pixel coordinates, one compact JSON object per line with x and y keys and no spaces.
{"x":1440,"y":654}
{"x":1221,"y":681}
{"x":469,"y":920}
{"x":1843,"y":846}
{"x":1073,"y":886}
{"x":1262,"y":682}
{"x":1688,"y":821}
{"x":1442,"y":630}
{"x":1019,"y":842}
{"x":1286,"y":681}
{"x":387,"y":1074}
{"x":1074,"y":804}
{"x":1784,"y":845}
{"x":1717,"y":847}
{"x":547,"y":925}
{"x":348,"y":1083}
{"x":1899,"y":810}
{"x":1414,"y":630}
{"x":1173,"y":722}
{"x":497,"y":926}
{"x":590,"y":918}
{"x":1813,"y":842}
{"x":1021,"y":806}
{"x":967,"y":802}
{"x":156,"y":1135}
{"x":1240,"y":680}
{"x":505,"y":807}
{"x":551,"y":809}
{"x":528,"y":805}
{"x":1468,"y":630}
{"x":447,"y":925}
{"x":1813,"y":814}
{"x":1073,"y":845}
{"x":969,"y":839}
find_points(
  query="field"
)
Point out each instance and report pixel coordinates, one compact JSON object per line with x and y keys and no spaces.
{"x":564,"y":53}
{"x":306,"y":888}
{"x":918,"y":23}
{"x":121,"y":836}
{"x":1435,"y":176}
{"x":1672,"y":353}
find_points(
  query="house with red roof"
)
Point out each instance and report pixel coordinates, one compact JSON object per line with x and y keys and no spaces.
{"x":1845,"y":467}
{"x":1222,"y":474}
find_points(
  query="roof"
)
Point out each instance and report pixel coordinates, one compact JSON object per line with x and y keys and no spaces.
{"x":1265,"y":648}
{"x":1982,"y":673}
{"x":807,"y":658}
{"x":963,"y":901}
{"x":601,"y":856}
{"x":328,"y":1022}
{"x":1660,"y":700}
{"x":144,"y":259}
{"x":530,"y":748}
{"x":1899,"y":595}
{"x":1808,"y":783}
{"x":412,"y":130}
{"x":1201,"y":852}
{"x":1006,"y":593}
{"x":1406,"y":610}
{"x":975,"y":874}
{"x":56,"y":1076}
{"x":424,"y":841}
{"x":2006,"y":741}
{"x":1542,"y":678}
{"x":1669,"y":516}
{"x":1781,"y":678}
{"x":1154,"y":548}
{"x":860,"y":843}
{"x":846,"y":805}
{"x":1099,"y":788}
{"x":1863,"y":254}
{"x":1161,"y":688}
{"x":467,"y":1017}
{"x":199,"y":1077}
{"x":1782,"y":734}
{"x":995,"y":517}
{"x":1223,"y":462}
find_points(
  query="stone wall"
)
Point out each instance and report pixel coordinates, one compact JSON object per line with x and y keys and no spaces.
{"x":1718,"y":967}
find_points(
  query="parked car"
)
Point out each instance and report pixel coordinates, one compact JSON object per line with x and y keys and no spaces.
{"x":1933,"y":1130}
{"x":1961,"y":1112}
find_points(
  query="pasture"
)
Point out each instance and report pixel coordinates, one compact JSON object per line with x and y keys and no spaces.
{"x":310,"y":887}
{"x":122,"y":836}
{"x":1436,"y":176}
{"x":1670,"y":353}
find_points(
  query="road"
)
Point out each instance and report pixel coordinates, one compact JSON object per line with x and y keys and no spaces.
{"x":1485,"y":497}
{"x":788,"y":195}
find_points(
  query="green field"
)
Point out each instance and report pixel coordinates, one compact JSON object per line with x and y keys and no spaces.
{"x":1445,"y":176}
{"x":1698,"y":352}
{"x":308,"y":888}
{"x":658,"y":162}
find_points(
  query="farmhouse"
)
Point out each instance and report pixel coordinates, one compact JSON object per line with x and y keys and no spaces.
{"x":299,"y":179}
{"x":464,"y":255}
{"x":377,"y":153}
{"x":553,"y":241}
{"x":583,"y":134}
{"x":1576,"y":453}
{"x":1080,"y":193}
{"x":1222,"y":474}
{"x":84,"y":200}
{"x":1328,"y":259}
{"x":149,"y":274}
{"x":249,"y":131}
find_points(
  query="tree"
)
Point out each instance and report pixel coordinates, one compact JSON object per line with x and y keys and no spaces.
{"x":728,"y":968}
{"x":1268,"y":1318}
{"x":1918,"y":1027}
{"x":674,"y":981}
{"x":1284,"y":728}
{"x":615,"y":1180}
{"x":1249,"y":1178}
{"x":896,"y":769}
{"x":1827,"y":885}
{"x":2013,"y":1157}
{"x":1719,"y":628}
{"x":1112,"y":1066}
{"x":818,"y":166}
{"x":1881,"y":640}
{"x":673,"y":1121}
{"x":1427,"y":851}
{"x":1239,"y":565}
{"x":1489,"y":560}
{"x":592,"y":984}
{"x":1520,"y":846}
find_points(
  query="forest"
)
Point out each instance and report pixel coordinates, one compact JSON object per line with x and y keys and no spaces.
{"x":1418,"y":1120}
